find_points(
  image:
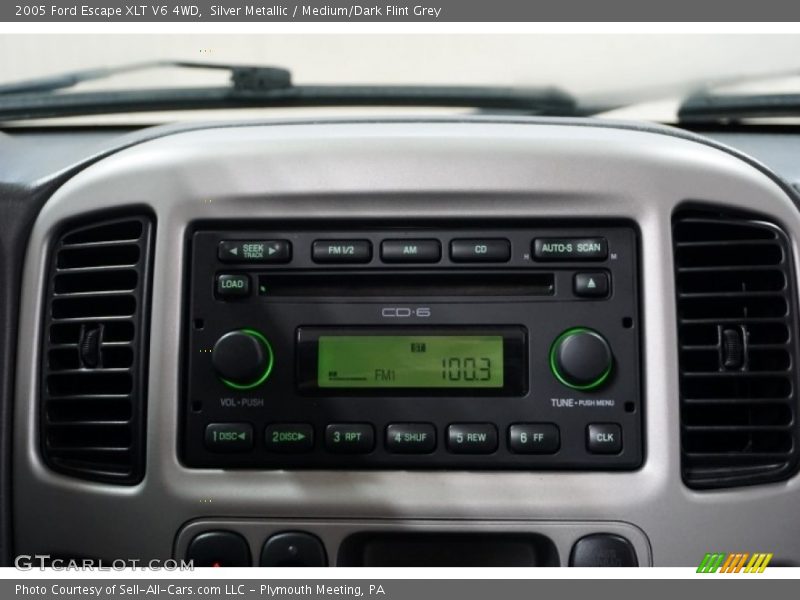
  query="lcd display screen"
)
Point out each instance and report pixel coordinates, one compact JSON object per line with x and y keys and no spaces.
{"x":410,"y":361}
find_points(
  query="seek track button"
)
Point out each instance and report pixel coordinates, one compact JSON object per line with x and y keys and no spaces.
{"x":254,"y":251}
{"x":289,"y":438}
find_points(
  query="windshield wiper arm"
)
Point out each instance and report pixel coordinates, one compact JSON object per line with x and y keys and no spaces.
{"x":705,"y":107}
{"x":259,"y":87}
{"x":244,"y":76}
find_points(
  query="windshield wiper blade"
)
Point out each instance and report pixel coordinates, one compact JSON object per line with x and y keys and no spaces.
{"x":267,"y":87}
{"x":704,"y":107}
{"x":241,"y":76}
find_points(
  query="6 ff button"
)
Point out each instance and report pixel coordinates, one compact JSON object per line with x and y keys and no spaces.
{"x":472,"y":438}
{"x":604,"y":438}
{"x":534,"y":438}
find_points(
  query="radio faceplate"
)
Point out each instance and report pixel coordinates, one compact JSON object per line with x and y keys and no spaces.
{"x":424,"y":348}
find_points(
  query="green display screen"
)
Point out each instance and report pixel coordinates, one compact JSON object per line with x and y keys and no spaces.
{"x":410,"y":361}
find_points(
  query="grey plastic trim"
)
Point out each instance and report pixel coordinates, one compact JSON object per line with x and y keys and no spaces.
{"x":332,"y":533}
{"x":395,"y":172}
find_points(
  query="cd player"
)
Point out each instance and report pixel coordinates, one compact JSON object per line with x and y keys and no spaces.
{"x":414,"y":348}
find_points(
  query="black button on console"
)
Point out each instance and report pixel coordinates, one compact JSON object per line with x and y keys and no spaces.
{"x":570,"y":249}
{"x":350,"y":438}
{"x":603,"y":550}
{"x":289,"y":438}
{"x":219,"y":549}
{"x":341,"y":251}
{"x":590,"y":285}
{"x":255,"y":251}
{"x":293,"y":549}
{"x":534,"y":438}
{"x":472,"y":438}
{"x":411,"y":251}
{"x":411,"y":438}
{"x":229,"y":437}
{"x":496,"y":250}
{"x":233,"y":286}
{"x":604,"y":438}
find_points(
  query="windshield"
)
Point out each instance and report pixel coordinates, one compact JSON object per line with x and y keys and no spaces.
{"x":629,"y":76}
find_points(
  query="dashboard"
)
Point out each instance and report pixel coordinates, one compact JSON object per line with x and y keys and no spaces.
{"x":478,"y":341}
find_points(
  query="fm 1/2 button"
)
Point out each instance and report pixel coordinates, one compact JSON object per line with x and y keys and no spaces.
{"x":242,"y":359}
{"x":581,"y":359}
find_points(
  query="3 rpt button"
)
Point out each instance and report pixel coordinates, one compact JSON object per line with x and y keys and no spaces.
{"x":604,"y":438}
{"x":350,"y":438}
{"x":472,"y":438}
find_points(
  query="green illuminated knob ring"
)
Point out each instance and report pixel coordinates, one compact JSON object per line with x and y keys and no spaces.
{"x":581,"y":359}
{"x":243,"y":359}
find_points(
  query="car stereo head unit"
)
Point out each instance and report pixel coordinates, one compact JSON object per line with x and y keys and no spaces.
{"x":509,"y":348}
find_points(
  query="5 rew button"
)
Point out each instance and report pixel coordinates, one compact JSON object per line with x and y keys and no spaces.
{"x":472,"y":438}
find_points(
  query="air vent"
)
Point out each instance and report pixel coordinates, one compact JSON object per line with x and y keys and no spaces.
{"x":93,"y":383}
{"x":736,"y":300}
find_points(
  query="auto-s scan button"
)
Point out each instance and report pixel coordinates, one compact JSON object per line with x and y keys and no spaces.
{"x":570,"y":249}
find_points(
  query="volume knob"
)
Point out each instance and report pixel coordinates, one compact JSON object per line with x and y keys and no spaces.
{"x":581,"y":358}
{"x":242,"y":359}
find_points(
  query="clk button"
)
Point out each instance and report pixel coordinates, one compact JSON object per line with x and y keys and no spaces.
{"x":604,"y":438}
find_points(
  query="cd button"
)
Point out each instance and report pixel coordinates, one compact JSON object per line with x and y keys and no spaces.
{"x":410,"y":438}
{"x":604,"y":438}
{"x":350,"y":438}
{"x":411,"y":251}
{"x":472,"y":438}
{"x":289,"y":438}
{"x":534,"y":438}
{"x":255,"y":251}
{"x":480,"y":250}
{"x":341,"y":251}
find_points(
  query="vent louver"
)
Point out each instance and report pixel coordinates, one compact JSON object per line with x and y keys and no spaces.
{"x":93,"y":384}
{"x":736,"y":300}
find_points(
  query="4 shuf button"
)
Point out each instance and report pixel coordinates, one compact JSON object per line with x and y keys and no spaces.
{"x":410,"y":438}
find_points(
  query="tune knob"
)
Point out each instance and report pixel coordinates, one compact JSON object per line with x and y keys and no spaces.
{"x":242,"y":359}
{"x":581,"y":358}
